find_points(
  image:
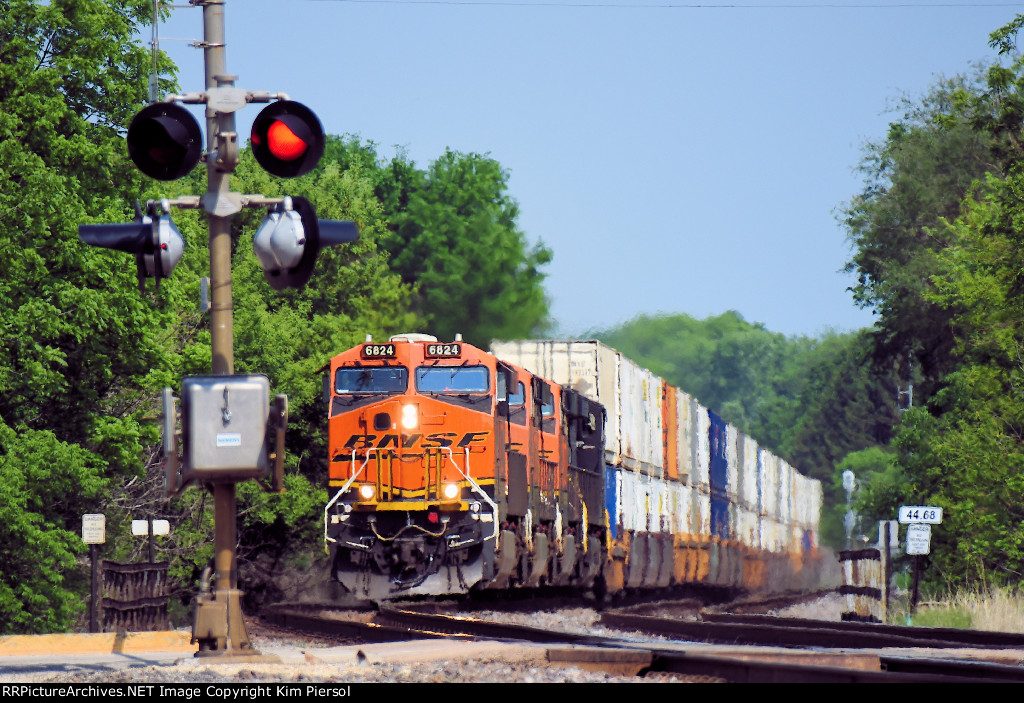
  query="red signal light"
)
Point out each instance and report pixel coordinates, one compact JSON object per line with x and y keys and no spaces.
{"x":284,"y":143}
{"x":287,"y":139}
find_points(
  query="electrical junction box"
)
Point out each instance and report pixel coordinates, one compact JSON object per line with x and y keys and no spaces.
{"x":224,"y":428}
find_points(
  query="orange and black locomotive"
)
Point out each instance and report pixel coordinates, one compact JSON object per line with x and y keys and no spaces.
{"x":451,"y":470}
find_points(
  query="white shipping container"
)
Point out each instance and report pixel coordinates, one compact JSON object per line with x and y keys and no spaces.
{"x":686,"y":409}
{"x":586,"y":367}
{"x":681,"y":507}
{"x":749,"y":475}
{"x":732,"y":462}
{"x":702,"y":442}
{"x":661,"y":505}
{"x":629,"y":504}
{"x":631,"y":395}
{"x":703,"y":515}
{"x":769,"y":484}
{"x":748,"y":531}
{"x":641,"y":445}
{"x":785,"y":513}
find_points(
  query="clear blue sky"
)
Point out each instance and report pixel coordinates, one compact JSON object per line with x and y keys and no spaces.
{"x":675,"y":158}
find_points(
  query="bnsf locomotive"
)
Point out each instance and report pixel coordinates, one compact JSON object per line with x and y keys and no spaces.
{"x":453,"y":469}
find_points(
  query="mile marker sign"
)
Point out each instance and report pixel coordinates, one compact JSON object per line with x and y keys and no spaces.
{"x":920,"y":513}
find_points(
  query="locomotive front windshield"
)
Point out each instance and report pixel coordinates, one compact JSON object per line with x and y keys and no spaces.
{"x":371,"y":379}
{"x":453,"y":379}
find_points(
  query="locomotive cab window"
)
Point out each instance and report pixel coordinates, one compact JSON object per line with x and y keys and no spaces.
{"x":517,"y":405}
{"x":371,"y":379}
{"x":453,"y":379}
{"x":517,"y":398}
{"x":546,"y":398}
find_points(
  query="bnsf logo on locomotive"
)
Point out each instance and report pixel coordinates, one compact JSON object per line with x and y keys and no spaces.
{"x":438,"y":439}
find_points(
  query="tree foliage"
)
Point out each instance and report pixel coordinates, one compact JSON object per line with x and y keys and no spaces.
{"x":914,"y":179}
{"x":79,"y":349}
{"x":967,"y":453}
{"x":453,"y":236}
{"x":942,"y":265}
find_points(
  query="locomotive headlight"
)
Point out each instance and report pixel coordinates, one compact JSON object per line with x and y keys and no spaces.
{"x":367,"y":491}
{"x":451,"y":491}
{"x":410,"y":417}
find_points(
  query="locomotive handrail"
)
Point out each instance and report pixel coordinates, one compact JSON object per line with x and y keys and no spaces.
{"x":451,"y":456}
{"x":344,"y":489}
{"x":476,"y":487}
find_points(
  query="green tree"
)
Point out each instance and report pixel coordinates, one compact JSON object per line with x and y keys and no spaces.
{"x":915,"y":178}
{"x":942,"y":265}
{"x":845,"y":405}
{"x":966,"y":453}
{"x":880,"y":483}
{"x":80,"y":350}
{"x":452,"y":235}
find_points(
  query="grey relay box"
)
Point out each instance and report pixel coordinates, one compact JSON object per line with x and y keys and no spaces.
{"x":224,"y":427}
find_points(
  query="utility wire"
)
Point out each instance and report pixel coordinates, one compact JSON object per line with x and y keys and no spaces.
{"x":689,"y":6}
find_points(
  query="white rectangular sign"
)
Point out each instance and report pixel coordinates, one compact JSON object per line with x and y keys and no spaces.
{"x":94,"y":528}
{"x":919,"y":538}
{"x":140,"y":528}
{"x":920,"y":513}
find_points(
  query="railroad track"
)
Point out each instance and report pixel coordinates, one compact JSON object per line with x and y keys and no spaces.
{"x":725,"y":628}
{"x":742,"y":664}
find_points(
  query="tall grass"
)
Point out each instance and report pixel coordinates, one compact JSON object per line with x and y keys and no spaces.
{"x":996,"y":610}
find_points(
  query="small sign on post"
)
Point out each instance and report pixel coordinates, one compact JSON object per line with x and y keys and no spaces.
{"x":94,"y":528}
{"x":150,"y":528}
{"x":919,"y":538}
{"x":94,"y":531}
{"x":919,"y":519}
{"x":140,"y":528}
{"x":920,"y":513}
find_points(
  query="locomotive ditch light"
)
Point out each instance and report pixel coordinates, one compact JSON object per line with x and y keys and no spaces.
{"x":287,"y":139}
{"x":410,"y":417}
{"x":367,"y":491}
{"x":164,"y":141}
{"x":290,"y":238}
{"x":451,"y":491}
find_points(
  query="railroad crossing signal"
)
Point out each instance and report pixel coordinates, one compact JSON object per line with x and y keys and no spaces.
{"x":287,"y":139}
{"x":291,"y":237}
{"x":156,"y":242}
{"x":164,"y":141}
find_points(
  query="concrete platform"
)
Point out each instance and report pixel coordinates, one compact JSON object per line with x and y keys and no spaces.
{"x":97,"y":643}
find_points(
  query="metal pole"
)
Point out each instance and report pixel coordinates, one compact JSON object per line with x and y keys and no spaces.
{"x":94,"y":601}
{"x":886,"y":570}
{"x":917,"y":580}
{"x":220,"y":205}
